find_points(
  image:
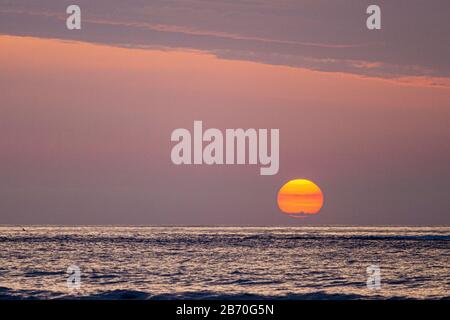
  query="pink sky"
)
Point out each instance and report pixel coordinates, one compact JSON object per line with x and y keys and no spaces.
{"x":86,"y":138}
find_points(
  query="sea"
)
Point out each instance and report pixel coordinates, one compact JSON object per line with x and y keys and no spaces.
{"x":224,"y":262}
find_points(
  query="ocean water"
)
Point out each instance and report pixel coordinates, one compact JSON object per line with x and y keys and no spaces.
{"x":224,"y":262}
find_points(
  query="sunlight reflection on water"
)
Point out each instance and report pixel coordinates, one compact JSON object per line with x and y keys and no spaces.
{"x":224,"y":262}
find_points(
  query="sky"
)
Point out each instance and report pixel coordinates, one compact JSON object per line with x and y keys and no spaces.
{"x":86,"y":115}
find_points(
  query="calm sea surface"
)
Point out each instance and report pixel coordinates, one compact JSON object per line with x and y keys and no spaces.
{"x":224,"y":262}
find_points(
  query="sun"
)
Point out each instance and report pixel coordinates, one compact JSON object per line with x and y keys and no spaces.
{"x":300,"y":197}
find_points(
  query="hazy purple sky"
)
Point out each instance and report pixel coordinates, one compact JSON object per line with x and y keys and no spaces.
{"x":86,"y":124}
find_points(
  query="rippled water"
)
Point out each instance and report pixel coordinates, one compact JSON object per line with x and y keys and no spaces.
{"x":224,"y":262}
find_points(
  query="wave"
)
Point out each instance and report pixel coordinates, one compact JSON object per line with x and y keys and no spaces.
{"x":37,"y":273}
{"x":231,"y":239}
{"x":9,"y":294}
{"x":377,"y":237}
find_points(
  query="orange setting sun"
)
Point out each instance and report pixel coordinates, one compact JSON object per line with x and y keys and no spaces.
{"x":300,"y":197}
